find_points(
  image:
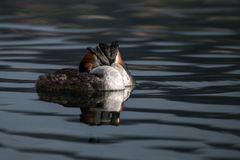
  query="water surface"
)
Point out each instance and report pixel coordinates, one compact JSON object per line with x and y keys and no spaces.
{"x":184,"y":55}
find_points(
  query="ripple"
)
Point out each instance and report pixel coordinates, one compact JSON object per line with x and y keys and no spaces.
{"x":213,"y":56}
{"x":215,"y":65}
{"x":208,"y":33}
{"x":96,"y":17}
{"x":19,"y":75}
{"x":16,"y":85}
{"x":165,"y":50}
{"x":159,"y":62}
{"x":16,"y":58}
{"x":45,"y":28}
{"x":169,"y":43}
{"x":56,"y":47}
{"x":235,"y":71}
{"x":180,"y":149}
{"x":228,"y":47}
{"x":133,"y":39}
{"x":23,"y":65}
{"x":19,"y":52}
{"x":201,"y":84}
{"x":32,"y":42}
{"x":156,"y":73}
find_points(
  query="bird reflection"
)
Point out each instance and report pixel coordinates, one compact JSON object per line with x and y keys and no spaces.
{"x":93,"y":116}
{"x":97,"y":108}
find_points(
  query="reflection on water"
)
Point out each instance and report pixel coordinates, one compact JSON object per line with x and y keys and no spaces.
{"x":96,"y":108}
{"x":184,"y":56}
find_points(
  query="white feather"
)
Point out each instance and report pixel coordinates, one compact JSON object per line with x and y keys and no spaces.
{"x":111,"y":78}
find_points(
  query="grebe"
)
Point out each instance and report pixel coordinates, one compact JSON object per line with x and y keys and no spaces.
{"x":101,"y":69}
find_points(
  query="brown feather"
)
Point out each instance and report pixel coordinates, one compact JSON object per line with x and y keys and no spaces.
{"x":88,"y":62}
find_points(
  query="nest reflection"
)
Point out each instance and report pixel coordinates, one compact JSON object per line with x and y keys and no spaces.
{"x":97,"y":108}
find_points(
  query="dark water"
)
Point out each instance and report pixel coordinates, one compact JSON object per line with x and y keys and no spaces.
{"x":184,"y":55}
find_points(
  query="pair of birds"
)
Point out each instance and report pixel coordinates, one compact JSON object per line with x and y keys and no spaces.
{"x":101,"y":69}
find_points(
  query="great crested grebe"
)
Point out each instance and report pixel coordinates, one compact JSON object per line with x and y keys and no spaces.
{"x":101,"y":69}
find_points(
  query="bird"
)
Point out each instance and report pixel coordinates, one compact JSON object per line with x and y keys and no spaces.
{"x":101,"y":69}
